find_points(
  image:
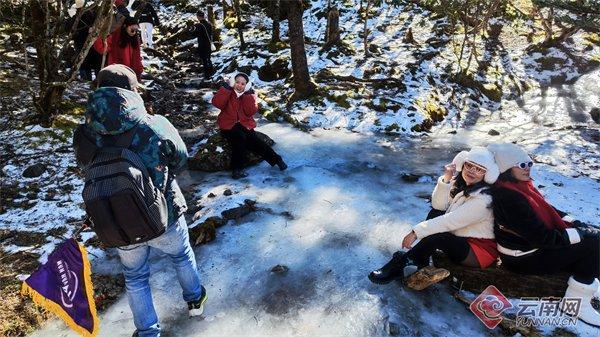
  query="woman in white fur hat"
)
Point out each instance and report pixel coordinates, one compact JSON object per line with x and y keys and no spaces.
{"x":464,"y":225}
{"x":535,"y":238}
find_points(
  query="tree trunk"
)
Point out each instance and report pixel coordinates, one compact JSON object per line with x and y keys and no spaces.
{"x":275,"y":13}
{"x":366,"y":29}
{"x":238,"y":11}
{"x":303,"y":85}
{"x":225,"y":7}
{"x":210,"y":12}
{"x":213,"y":21}
{"x":332,"y":35}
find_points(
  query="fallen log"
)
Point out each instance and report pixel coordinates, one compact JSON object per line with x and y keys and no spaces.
{"x":510,"y":284}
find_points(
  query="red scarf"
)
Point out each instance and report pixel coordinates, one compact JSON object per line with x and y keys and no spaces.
{"x":544,"y":211}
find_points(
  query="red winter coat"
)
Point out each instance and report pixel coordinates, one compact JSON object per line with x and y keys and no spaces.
{"x":235,"y":109}
{"x":128,"y":55}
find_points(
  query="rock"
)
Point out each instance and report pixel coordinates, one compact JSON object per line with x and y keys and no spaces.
{"x":409,"y":38}
{"x":280,"y":68}
{"x":227,"y":192}
{"x":410,"y":177}
{"x":195,"y":207}
{"x":595,"y":113}
{"x":493,"y":132}
{"x":34,"y":170}
{"x":423,"y":195}
{"x":280,"y":269}
{"x":392,"y":328}
{"x":373,"y":48}
{"x":211,"y":195}
{"x":239,"y":212}
{"x":203,"y":233}
{"x":210,"y":160}
{"x":215,"y":221}
{"x":490,"y":90}
{"x":186,"y":56}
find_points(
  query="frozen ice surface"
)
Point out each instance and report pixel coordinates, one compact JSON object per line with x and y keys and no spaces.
{"x":350,"y":212}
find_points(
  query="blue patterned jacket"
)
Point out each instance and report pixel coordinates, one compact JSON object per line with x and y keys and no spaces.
{"x":113,"y":111}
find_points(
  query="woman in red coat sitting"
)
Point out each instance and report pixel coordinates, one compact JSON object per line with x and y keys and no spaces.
{"x":123,"y":46}
{"x":237,"y":102}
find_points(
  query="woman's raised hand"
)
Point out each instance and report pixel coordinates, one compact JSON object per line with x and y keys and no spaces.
{"x":409,"y":239}
{"x":449,"y":171}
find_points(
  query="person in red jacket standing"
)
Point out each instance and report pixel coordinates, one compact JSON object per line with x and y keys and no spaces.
{"x":237,"y":102}
{"x":123,"y":46}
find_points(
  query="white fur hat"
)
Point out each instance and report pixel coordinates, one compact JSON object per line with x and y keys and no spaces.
{"x":508,"y":155}
{"x":79,"y":3}
{"x":480,"y":156}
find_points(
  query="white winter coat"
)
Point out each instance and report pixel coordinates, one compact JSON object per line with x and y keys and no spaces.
{"x":465,"y":216}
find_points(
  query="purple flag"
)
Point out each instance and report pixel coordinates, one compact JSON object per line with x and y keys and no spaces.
{"x":63,"y":285}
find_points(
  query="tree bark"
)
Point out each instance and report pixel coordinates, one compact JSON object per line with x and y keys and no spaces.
{"x":366,"y":30}
{"x":275,"y":13}
{"x":210,"y":13}
{"x":238,"y":12}
{"x":303,"y":85}
{"x":332,"y":35}
{"x":225,"y":7}
{"x":212,"y":19}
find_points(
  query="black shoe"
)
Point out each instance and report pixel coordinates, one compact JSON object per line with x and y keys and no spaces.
{"x":281,"y":164}
{"x":196,"y":308}
{"x":237,"y":174}
{"x":393,"y":270}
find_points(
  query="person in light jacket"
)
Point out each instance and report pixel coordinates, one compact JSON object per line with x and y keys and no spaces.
{"x":461,"y":223}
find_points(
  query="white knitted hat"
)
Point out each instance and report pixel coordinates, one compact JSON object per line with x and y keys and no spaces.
{"x":480,"y":156}
{"x":508,"y":155}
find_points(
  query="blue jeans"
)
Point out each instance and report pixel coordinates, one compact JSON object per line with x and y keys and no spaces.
{"x":175,"y":243}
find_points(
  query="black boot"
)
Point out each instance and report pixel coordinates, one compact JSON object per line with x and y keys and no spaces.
{"x":393,"y":270}
{"x":281,"y":164}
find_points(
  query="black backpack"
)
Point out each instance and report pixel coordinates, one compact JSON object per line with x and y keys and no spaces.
{"x":120,"y":198}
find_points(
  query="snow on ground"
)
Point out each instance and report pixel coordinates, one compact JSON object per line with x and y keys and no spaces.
{"x":350,"y":206}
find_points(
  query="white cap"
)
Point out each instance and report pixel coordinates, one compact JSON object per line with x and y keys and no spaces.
{"x":482,"y":157}
{"x":508,"y":155}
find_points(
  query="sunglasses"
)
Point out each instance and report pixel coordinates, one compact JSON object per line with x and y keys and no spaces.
{"x":473,"y":168}
{"x":524,"y":165}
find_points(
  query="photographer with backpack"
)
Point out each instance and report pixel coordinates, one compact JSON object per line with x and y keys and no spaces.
{"x":130,"y":159}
